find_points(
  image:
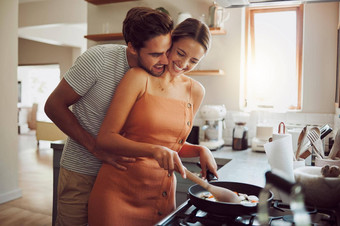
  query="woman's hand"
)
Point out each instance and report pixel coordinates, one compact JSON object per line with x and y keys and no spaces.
{"x":207,"y":161}
{"x":169,"y":160}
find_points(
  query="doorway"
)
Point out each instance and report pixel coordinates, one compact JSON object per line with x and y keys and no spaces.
{"x":35,"y":84}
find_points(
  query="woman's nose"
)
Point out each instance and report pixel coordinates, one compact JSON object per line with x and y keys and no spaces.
{"x":185,"y":64}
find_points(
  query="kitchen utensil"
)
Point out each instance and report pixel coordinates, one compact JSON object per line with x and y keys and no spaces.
{"x":223,"y":208}
{"x":325,"y":130}
{"x":305,"y":149}
{"x":336,"y":146}
{"x":221,"y":194}
{"x":314,"y":137}
{"x":301,"y":141}
{"x":217,"y":16}
{"x":210,"y":175}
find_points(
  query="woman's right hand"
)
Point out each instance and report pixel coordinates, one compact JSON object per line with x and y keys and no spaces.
{"x":169,"y":160}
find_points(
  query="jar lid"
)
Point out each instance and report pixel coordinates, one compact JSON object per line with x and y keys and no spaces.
{"x":240,"y":123}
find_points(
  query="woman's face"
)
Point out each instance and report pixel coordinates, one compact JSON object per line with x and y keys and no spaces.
{"x":184,"y":55}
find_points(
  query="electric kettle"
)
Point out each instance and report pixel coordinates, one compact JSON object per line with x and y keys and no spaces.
{"x":217,"y":16}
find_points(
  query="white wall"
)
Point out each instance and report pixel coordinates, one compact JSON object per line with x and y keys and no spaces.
{"x":52,"y":12}
{"x":34,"y":53}
{"x":320,"y":56}
{"x":320,"y":45}
{"x":8,"y":98}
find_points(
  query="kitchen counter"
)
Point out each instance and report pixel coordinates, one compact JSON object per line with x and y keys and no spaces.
{"x":244,"y":166}
{"x":236,"y":166}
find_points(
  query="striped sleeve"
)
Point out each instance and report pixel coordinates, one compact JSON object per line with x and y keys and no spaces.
{"x":84,"y":73}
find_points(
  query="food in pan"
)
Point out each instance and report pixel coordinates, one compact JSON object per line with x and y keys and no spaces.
{"x":247,"y":200}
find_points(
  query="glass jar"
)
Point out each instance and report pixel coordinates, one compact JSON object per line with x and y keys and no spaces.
{"x":240,"y":136}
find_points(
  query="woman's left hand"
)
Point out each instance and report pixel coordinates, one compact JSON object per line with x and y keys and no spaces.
{"x":207,"y":161}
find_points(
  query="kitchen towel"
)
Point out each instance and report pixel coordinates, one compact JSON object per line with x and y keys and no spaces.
{"x":280,"y":157}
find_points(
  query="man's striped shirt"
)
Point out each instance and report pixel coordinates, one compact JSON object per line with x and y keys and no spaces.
{"x":94,"y":76}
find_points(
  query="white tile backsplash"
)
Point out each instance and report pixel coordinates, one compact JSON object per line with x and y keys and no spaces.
{"x":291,"y":120}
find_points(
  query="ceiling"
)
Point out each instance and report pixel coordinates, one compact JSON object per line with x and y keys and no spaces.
{"x":62,"y":34}
{"x":244,"y":3}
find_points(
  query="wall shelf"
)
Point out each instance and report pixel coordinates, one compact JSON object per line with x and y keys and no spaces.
{"x":102,"y":2}
{"x":119,"y":36}
{"x":217,"y":31}
{"x":205,"y":72}
{"x":105,"y":37}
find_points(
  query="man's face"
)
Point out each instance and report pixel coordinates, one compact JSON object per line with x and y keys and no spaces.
{"x":152,"y":57}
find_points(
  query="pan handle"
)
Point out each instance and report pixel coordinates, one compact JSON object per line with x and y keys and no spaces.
{"x":279,"y":182}
{"x":210,"y":175}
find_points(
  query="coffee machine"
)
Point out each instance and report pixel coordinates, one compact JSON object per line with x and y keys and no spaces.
{"x":214,"y":123}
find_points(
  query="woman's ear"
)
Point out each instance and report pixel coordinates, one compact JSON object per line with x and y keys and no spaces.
{"x":132,"y":49}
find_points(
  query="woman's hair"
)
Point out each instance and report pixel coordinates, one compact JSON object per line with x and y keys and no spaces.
{"x":142,"y":24}
{"x":195,"y":29}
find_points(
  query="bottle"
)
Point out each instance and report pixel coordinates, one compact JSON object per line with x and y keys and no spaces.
{"x":240,"y":136}
{"x":217,"y":16}
{"x":212,"y":15}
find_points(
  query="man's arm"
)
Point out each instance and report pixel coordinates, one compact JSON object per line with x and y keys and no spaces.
{"x":57,"y":109}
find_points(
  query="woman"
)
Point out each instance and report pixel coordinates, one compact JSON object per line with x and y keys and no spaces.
{"x":150,"y":118}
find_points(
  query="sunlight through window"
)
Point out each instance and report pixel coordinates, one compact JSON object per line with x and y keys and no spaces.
{"x":273,"y":76}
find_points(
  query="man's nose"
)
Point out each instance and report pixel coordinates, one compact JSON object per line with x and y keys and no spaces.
{"x":164,"y":59}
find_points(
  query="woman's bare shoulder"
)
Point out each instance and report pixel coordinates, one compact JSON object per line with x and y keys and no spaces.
{"x":197,"y":87}
{"x":136,"y":74}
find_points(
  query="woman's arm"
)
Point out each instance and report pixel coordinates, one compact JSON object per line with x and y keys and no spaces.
{"x":189,"y":150}
{"x":130,"y":89}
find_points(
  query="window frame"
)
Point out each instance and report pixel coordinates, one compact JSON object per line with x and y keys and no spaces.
{"x":249,"y":34}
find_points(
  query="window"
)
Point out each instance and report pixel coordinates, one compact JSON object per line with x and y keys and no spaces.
{"x":273,"y":58}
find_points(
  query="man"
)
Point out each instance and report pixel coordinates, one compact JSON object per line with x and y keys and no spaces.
{"x":88,"y":87}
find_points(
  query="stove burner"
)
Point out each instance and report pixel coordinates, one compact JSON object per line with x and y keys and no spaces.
{"x":288,"y":218}
{"x":280,"y":214}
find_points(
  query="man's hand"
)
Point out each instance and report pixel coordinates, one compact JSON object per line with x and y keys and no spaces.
{"x":114,"y":160}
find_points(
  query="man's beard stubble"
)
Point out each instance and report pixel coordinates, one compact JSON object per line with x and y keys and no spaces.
{"x":150,"y":71}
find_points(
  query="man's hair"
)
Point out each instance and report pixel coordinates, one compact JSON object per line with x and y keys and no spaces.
{"x":195,"y":29}
{"x":142,"y":24}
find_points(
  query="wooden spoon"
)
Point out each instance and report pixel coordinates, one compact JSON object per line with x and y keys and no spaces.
{"x":220,"y":194}
{"x":301,"y":139}
{"x":336,"y":146}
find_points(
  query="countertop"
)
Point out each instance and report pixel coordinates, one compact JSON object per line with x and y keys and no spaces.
{"x":244,"y":166}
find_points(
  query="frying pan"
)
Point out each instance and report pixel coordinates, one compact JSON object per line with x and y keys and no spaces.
{"x":223,"y":208}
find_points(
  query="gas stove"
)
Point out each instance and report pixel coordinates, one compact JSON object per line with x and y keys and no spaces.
{"x":280,"y":214}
